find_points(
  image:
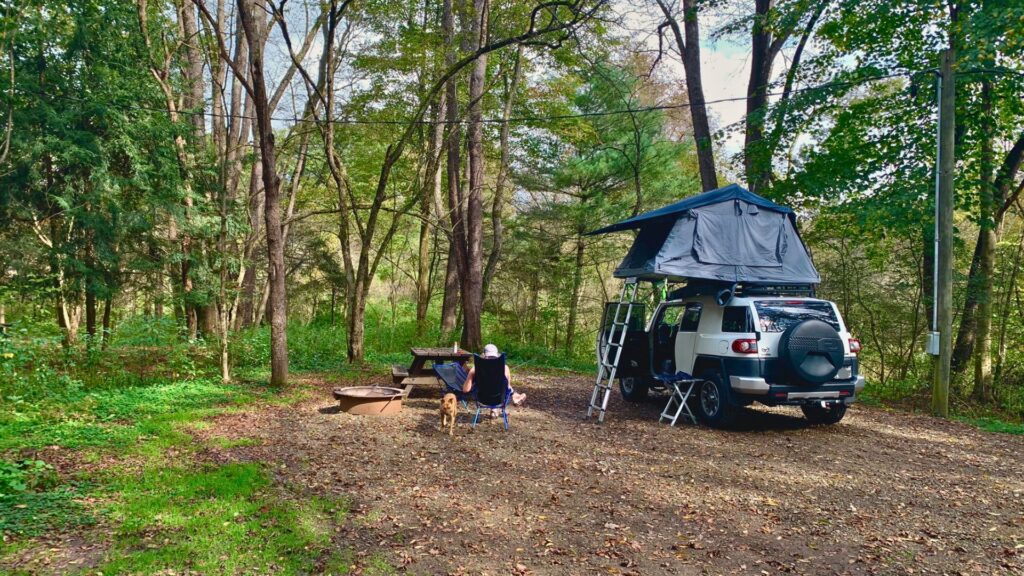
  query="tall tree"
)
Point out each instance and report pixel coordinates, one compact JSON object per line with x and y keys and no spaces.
{"x":687,"y":39}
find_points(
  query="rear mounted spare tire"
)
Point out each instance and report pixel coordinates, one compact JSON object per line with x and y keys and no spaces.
{"x":812,"y":352}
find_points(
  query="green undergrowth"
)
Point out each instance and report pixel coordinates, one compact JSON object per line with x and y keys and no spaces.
{"x":226,"y":519}
{"x":990,"y":424}
{"x":119,"y":418}
{"x":139,"y":486}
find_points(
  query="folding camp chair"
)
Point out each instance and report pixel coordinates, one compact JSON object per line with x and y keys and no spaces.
{"x":681,"y":385}
{"x":453,"y":376}
{"x":490,"y":386}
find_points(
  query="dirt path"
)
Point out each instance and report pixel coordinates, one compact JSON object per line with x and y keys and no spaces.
{"x":885,"y":493}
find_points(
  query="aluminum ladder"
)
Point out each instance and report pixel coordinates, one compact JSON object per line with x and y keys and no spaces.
{"x":608,"y":359}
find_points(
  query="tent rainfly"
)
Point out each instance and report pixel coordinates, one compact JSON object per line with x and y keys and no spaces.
{"x":725,"y":235}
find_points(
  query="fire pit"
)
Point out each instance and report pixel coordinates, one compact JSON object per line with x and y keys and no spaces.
{"x":372,"y":400}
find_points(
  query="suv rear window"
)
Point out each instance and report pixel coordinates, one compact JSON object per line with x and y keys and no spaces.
{"x":736,"y":319}
{"x":778,"y":315}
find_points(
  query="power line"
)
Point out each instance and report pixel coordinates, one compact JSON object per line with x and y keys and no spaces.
{"x":512,"y":120}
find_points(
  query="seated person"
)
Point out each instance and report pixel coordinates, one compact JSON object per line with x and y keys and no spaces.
{"x":491,"y":351}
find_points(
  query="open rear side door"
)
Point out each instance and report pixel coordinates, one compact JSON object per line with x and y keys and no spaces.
{"x":686,"y":338}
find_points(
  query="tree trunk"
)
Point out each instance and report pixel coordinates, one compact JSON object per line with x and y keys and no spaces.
{"x":457,"y":249}
{"x":761,"y":60}
{"x":500,"y":184}
{"x":105,"y":334}
{"x":1004,"y":313}
{"x":246,"y":314}
{"x":195,"y":103}
{"x":90,"y":314}
{"x":277,"y":305}
{"x":431,"y":192}
{"x":1004,"y":181}
{"x":356,"y":322}
{"x":987,"y":241}
{"x":450,"y":303}
{"x":983,"y":344}
{"x":689,"y":49}
{"x":577,"y":283}
{"x":472,"y":283}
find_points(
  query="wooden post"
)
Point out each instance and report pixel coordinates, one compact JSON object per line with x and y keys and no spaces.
{"x":944,"y":266}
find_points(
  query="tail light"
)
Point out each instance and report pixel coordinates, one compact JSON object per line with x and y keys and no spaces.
{"x":744,"y":346}
{"x":854,"y":345}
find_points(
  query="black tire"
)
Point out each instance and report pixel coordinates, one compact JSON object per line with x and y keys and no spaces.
{"x":812,"y":352}
{"x":634,"y":388}
{"x":815,"y":414}
{"x":712,"y":397}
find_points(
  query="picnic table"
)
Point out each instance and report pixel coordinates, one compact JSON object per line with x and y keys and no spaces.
{"x":419,"y":373}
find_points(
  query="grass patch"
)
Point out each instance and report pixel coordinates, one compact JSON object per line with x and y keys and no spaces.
{"x":216,"y":519}
{"x":34,"y":513}
{"x":121,"y":417}
{"x":989,"y":424}
{"x":225,"y":443}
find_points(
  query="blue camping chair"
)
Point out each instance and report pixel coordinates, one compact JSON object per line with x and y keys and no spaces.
{"x":453,"y":376}
{"x":490,"y":386}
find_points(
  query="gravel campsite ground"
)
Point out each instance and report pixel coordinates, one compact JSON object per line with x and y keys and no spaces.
{"x":883,"y":492}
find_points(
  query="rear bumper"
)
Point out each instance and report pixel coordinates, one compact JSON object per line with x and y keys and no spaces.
{"x":759,"y":389}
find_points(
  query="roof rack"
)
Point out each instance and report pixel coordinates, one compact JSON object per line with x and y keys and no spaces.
{"x":775,"y":290}
{"x":715,"y":288}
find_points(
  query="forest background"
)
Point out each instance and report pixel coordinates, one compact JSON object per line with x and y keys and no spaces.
{"x":200,"y":190}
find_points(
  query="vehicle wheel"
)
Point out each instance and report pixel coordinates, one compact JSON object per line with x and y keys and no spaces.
{"x":633,"y":388}
{"x":815,"y":414}
{"x":713,"y":405}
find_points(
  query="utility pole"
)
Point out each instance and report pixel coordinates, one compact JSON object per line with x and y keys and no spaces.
{"x":944,"y":235}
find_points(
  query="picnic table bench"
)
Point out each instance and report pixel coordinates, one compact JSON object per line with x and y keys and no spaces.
{"x":418,"y":372}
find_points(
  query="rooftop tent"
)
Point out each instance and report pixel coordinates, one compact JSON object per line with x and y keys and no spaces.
{"x":727,"y":235}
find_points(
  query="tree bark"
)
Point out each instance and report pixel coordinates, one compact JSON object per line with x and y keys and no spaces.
{"x":450,"y":303}
{"x":689,"y":50}
{"x":246,"y":308}
{"x":194,"y":102}
{"x":1004,"y":198}
{"x":90,"y":314}
{"x":577,"y":283}
{"x":501,"y":182}
{"x":275,"y":247}
{"x":472,"y":283}
{"x":105,"y":334}
{"x":1004,"y":313}
{"x":987,"y":241}
{"x":431,"y":192}
{"x":457,"y":248}
{"x":767,"y":39}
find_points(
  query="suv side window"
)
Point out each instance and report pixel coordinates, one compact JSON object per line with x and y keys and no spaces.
{"x":737,"y":319}
{"x":691,"y":317}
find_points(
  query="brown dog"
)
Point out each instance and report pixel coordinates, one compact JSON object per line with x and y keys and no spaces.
{"x":449,"y":409}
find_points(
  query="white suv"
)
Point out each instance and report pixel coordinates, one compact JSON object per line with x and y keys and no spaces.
{"x":775,"y":348}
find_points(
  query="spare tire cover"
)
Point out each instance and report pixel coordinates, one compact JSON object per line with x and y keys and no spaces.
{"x":812,"y":351}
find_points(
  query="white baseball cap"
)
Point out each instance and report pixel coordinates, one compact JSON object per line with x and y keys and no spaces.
{"x":491,"y":351}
